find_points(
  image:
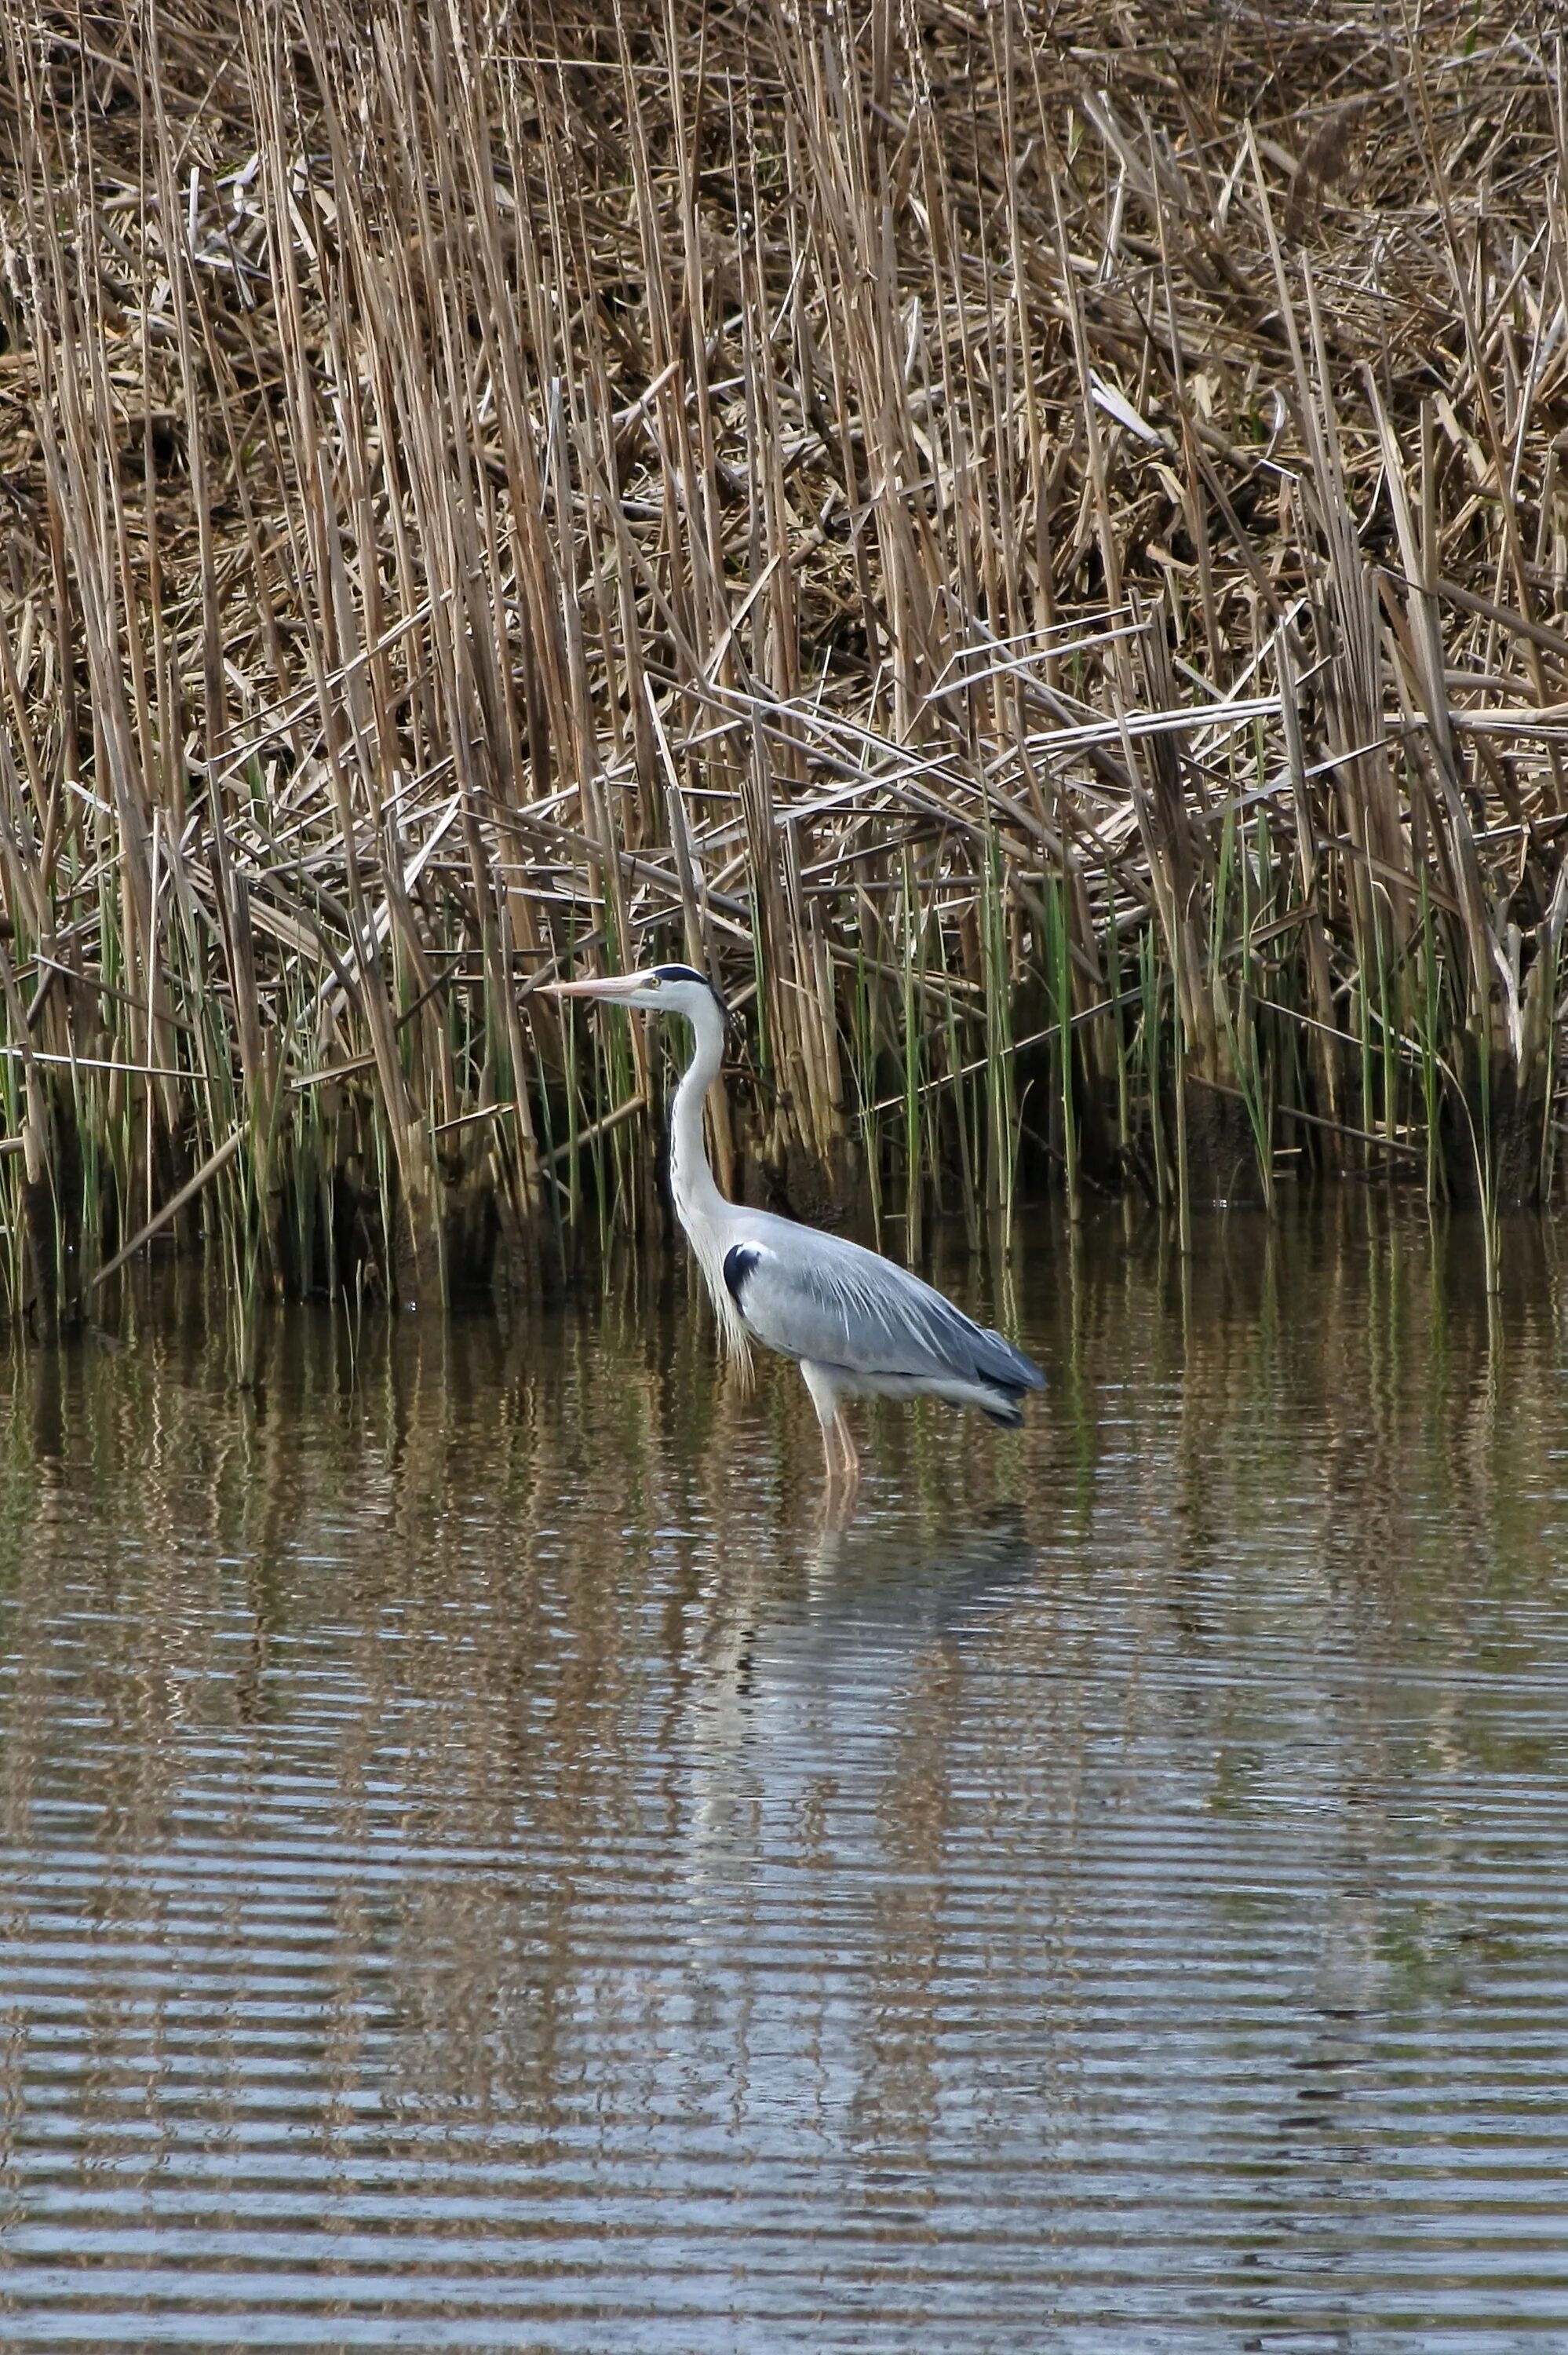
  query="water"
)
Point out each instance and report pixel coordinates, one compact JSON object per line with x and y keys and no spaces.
{"x":484,"y":1865}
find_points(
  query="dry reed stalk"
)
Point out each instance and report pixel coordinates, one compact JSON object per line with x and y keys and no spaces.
{"x":1045,"y":554}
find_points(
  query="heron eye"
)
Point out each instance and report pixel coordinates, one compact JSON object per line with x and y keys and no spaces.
{"x":653,"y":981}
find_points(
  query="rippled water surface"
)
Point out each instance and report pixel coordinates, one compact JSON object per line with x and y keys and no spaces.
{"x":484,"y":1865}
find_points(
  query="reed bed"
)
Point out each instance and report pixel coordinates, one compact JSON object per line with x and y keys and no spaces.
{"x":1032,"y":543}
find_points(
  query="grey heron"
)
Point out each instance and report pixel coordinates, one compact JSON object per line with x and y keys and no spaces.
{"x":856,"y":1324}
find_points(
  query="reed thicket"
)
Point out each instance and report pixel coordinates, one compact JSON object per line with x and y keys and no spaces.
{"x":1032,"y":542}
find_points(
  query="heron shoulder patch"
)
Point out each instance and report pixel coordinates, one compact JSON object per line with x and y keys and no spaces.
{"x":738,"y":1262}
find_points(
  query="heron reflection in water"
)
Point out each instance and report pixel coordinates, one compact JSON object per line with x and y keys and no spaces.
{"x":856,"y":1325}
{"x":817,"y":1679}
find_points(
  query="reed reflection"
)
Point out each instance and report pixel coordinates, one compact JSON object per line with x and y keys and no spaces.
{"x":464,"y":1813}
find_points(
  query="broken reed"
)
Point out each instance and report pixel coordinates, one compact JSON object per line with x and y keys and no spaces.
{"x":1039,"y":564}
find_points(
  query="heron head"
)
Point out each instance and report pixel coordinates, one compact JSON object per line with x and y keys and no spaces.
{"x":661,"y":989}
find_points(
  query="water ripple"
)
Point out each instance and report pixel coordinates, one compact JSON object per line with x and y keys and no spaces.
{"x":485,"y":1866}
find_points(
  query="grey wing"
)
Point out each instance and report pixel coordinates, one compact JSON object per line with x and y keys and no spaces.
{"x":818,"y":1299}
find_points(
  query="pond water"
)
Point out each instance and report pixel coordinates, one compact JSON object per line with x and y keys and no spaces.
{"x":485,"y":1864}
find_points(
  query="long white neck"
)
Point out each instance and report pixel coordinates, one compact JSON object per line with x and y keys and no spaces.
{"x":707,"y":1218}
{"x":696,"y":1196}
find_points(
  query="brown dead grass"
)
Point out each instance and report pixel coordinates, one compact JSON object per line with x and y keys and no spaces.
{"x":992,"y":529}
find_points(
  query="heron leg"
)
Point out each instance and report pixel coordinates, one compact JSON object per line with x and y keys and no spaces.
{"x":851,"y":1453}
{"x":839,"y":1460}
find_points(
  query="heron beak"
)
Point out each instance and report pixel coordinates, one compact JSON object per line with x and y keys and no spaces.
{"x":611,"y":985}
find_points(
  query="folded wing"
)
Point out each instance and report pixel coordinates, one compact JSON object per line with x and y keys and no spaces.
{"x":818,"y":1299}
